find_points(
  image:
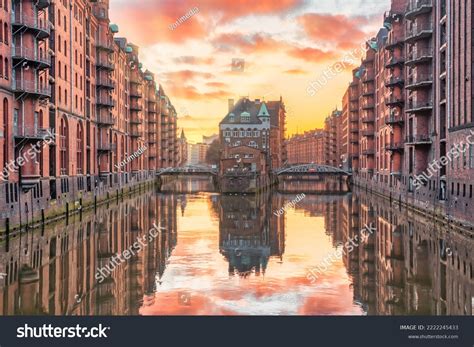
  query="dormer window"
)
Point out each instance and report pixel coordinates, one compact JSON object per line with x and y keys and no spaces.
{"x":232,"y":118}
{"x":245,"y":117}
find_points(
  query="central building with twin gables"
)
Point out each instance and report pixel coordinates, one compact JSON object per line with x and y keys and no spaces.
{"x":252,"y":135}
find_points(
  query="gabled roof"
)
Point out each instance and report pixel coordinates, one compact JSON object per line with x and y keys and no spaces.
{"x":255,"y":109}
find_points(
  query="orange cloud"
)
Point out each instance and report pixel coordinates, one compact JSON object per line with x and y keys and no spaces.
{"x":182,"y":91}
{"x":295,"y":72}
{"x":194,"y":60}
{"x":339,"y":30}
{"x":186,"y":75}
{"x":155,"y":17}
{"x":314,"y":55}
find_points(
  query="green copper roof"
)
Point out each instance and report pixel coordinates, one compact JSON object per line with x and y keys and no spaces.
{"x":129,"y":49}
{"x":263,"y":111}
{"x":140,"y":65}
{"x":148,"y":78}
{"x":114,"y":28}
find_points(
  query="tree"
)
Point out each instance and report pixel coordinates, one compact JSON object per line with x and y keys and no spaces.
{"x":213,"y":153}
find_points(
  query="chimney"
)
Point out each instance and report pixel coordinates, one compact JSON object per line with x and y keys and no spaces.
{"x":231,"y":105}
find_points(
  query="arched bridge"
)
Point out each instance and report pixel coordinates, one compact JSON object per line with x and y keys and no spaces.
{"x":311,"y":169}
{"x":192,"y":170}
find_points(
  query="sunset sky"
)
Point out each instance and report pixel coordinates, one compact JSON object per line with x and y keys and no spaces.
{"x":286,"y":45}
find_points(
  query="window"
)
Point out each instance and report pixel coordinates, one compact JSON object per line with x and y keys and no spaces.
{"x":6,"y":68}
{"x":5,"y":33}
{"x":471,"y":156}
{"x":60,"y":70}
{"x":1,"y":30}
{"x":1,"y":65}
{"x":65,"y":72}
{"x":65,"y":48}
{"x":65,"y":97}
{"x":60,"y":95}
{"x":5,"y":5}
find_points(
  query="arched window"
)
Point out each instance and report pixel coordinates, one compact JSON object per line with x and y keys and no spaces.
{"x":63,"y":146}
{"x":5,"y":33}
{"x":65,"y":48}
{"x":6,"y":135}
{"x":5,"y":5}
{"x":1,"y":65}
{"x":79,"y":155}
{"x":1,"y":30}
{"x":115,"y":153}
{"x":59,"y":19}
{"x":59,"y":46}
{"x":65,"y":97}
{"x":6,"y":68}
{"x":60,"y":70}
{"x":60,"y":95}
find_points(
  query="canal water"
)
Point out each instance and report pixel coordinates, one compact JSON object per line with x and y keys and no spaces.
{"x":190,"y":251}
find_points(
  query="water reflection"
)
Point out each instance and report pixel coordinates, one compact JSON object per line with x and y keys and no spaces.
{"x":234,"y":255}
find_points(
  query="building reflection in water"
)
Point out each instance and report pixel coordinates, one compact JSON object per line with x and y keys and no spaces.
{"x":410,"y":265}
{"x":53,"y":271}
{"x":249,"y":233}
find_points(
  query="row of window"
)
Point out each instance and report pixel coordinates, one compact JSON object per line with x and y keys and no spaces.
{"x":243,"y":133}
{"x":4,"y":4}
{"x":4,"y":68}
{"x":4,"y":37}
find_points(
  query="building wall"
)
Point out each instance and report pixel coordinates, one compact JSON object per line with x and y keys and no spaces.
{"x":75,"y":78}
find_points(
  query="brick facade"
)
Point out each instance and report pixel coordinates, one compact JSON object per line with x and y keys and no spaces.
{"x":67,"y":74}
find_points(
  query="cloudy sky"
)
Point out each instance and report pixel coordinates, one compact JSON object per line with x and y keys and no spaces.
{"x":284,"y":44}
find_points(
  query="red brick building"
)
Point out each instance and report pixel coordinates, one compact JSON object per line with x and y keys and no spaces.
{"x":410,"y":107}
{"x":76,"y":104}
{"x":256,"y":124}
{"x":308,"y":147}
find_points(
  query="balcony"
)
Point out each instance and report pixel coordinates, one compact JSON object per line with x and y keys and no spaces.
{"x":395,"y":81}
{"x":105,"y":64}
{"x":368,"y":60}
{"x":39,"y":26}
{"x":368,"y":152}
{"x":105,"y":82}
{"x":136,"y":121}
{"x":105,"y":45}
{"x":354,"y":129}
{"x":393,"y":119}
{"x":368,"y":92}
{"x":368,"y":77}
{"x":105,"y":102}
{"x":419,"y":32}
{"x":418,"y":7}
{"x":418,"y":81}
{"x":394,"y":41}
{"x":395,"y":146}
{"x":423,"y":139}
{"x":419,"y":106}
{"x":105,"y":120}
{"x":41,"y":4}
{"x":32,"y":133}
{"x":368,"y":104}
{"x":368,"y":119}
{"x":367,"y":133}
{"x":394,"y":61}
{"x":394,"y":101}
{"x":419,"y":56}
{"x":21,"y":54}
{"x":354,"y":118}
{"x":106,"y":147}
{"x":136,"y":107}
{"x":31,"y":88}
{"x":135,"y":133}
{"x":136,"y":93}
